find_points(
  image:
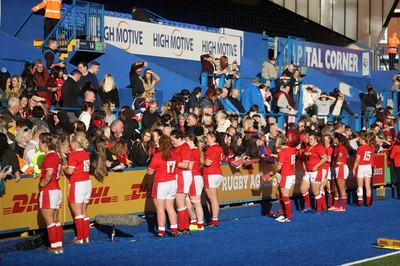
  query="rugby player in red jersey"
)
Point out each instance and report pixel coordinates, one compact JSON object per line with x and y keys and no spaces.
{"x":341,"y":171}
{"x":50,"y":193}
{"x":362,"y":169}
{"x":182,"y":155}
{"x":212,"y":174}
{"x":164,"y":186}
{"x":80,"y":186}
{"x":315,"y":158}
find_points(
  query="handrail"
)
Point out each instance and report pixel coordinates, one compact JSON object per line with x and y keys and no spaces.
{"x":23,"y":23}
{"x":154,"y":14}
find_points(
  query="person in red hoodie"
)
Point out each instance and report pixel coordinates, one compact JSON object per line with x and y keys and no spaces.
{"x":395,"y":156}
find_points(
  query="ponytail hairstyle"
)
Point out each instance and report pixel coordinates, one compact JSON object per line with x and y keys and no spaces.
{"x":80,"y":139}
{"x":342,"y":140}
{"x":165,"y":146}
{"x":61,"y":141}
{"x":196,"y":142}
{"x":50,"y":140}
{"x":281,"y":142}
{"x":99,"y":163}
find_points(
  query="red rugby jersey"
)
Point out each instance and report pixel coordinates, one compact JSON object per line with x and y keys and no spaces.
{"x":51,"y":162}
{"x":80,"y":161}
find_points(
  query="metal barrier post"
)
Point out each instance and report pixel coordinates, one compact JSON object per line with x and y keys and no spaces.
{"x":395,"y":102}
{"x":281,"y":120}
{"x":358,"y":123}
{"x":204,"y":79}
{"x":221,"y":81}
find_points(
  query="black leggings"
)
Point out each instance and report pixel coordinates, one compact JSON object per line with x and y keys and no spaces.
{"x":397,"y":170}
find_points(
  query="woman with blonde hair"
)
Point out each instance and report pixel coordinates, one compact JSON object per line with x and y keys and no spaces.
{"x":80,"y":186}
{"x":222,"y":123}
{"x":16,"y":87}
{"x":108,"y":90}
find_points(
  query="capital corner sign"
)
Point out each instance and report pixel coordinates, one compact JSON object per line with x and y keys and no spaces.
{"x":330,"y":59}
{"x":138,"y":37}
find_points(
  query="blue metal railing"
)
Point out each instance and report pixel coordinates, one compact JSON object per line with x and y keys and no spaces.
{"x":82,"y":20}
{"x":237,"y":83}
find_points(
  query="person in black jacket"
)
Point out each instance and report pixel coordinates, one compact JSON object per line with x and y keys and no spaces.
{"x":194,"y":99}
{"x":369,"y":102}
{"x":233,"y":98}
{"x":108,"y":90}
{"x":140,"y":152}
{"x":136,"y":80}
{"x":71,"y":89}
{"x":28,"y":79}
{"x":8,"y":160}
{"x":150,"y":116}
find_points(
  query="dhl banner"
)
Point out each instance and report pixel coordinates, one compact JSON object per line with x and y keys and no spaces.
{"x":130,"y":192}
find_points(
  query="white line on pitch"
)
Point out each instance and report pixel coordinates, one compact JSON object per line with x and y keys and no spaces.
{"x":369,"y":259}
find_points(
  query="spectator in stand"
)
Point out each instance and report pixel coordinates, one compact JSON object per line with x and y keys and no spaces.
{"x":23,"y":106}
{"x":339,"y":105}
{"x":16,"y":87}
{"x":87,"y":76}
{"x":136,"y":81}
{"x":8,"y":158}
{"x":269,"y":72}
{"x":209,"y":100}
{"x":234,"y":99}
{"x":393,"y":43}
{"x":117,"y":129}
{"x":309,"y":93}
{"x":274,"y":132}
{"x":150,"y":116}
{"x":369,"y":102}
{"x":222,"y":71}
{"x":150,"y":80}
{"x":252,"y":95}
{"x":296,"y":89}
{"x":284,"y":103}
{"x":233,"y":73}
{"x":38,"y":118}
{"x":54,"y":84}
{"x":288,"y":73}
{"x":131,"y":127}
{"x":52,"y":14}
{"x":191,"y":123}
{"x":228,"y":106}
{"x":208,"y":66}
{"x":30,"y":149}
{"x":141,"y":14}
{"x":22,"y":139}
{"x":49,"y":54}
{"x":12,"y":109}
{"x":5,"y":87}
{"x":87,"y":109}
{"x":140,"y":153}
{"x":94,"y":67}
{"x":107,"y":108}
{"x":221,"y":121}
{"x":71,"y":89}
{"x":28,"y":79}
{"x":194,"y":99}
{"x":41,"y":77}
{"x":323,"y":104}
{"x":108,"y":90}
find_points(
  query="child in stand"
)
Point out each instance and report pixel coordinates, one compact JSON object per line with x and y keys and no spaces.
{"x":120,"y":152}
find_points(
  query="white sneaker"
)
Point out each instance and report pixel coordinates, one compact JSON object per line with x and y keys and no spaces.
{"x":280,"y":218}
{"x":286,"y":220}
